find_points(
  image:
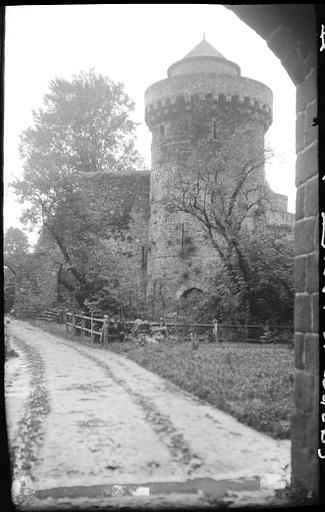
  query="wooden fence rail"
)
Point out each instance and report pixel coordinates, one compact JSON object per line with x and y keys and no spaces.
{"x":101,"y":329}
{"x":81,"y":328}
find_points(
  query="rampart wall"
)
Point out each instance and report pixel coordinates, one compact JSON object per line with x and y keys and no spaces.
{"x":120,"y":203}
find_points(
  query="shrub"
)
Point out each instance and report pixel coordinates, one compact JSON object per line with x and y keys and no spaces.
{"x":269,"y":335}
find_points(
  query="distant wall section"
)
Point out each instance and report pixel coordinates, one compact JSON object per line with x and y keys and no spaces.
{"x":119,"y":204}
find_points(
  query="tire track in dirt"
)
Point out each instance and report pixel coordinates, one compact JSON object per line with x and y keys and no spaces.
{"x":30,"y":432}
{"x":178,"y":447}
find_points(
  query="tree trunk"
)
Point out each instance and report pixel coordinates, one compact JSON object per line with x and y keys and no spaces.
{"x":80,"y":278}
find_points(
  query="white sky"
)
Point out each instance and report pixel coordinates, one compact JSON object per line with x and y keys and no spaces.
{"x":134,"y":44}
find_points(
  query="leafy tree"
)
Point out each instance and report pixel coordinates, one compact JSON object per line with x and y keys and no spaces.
{"x":83,"y":127}
{"x":226,"y":192}
{"x":16,"y":245}
{"x":271,"y":260}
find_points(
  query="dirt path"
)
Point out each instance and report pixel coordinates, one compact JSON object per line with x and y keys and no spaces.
{"x":89,"y":417}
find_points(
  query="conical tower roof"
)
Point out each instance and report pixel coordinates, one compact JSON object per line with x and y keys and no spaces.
{"x":204,"y":49}
{"x":204,"y":58}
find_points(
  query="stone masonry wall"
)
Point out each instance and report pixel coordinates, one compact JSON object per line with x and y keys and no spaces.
{"x":305,"y":421}
{"x":204,"y":83}
{"x":290,"y":32}
{"x":38,"y":278}
{"x":121,"y":203}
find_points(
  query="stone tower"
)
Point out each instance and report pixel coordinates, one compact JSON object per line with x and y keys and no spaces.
{"x":204,"y":100}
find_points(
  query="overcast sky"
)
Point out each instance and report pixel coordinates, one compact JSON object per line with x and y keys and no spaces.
{"x":134,"y":44}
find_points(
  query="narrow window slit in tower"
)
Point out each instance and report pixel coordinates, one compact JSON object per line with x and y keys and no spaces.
{"x":143,"y":258}
{"x":162,"y":130}
{"x":182,"y":235}
{"x":214,"y":129}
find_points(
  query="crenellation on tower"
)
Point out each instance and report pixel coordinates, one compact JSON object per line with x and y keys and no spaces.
{"x":166,"y":93}
{"x":161,"y":112}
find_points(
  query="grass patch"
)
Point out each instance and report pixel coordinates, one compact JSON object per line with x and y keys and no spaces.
{"x":254,"y":383}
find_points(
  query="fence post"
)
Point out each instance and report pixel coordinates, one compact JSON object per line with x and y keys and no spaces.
{"x":83,"y":324}
{"x":215,"y":329}
{"x":66,"y":325}
{"x":105,"y":330}
{"x":73,"y":321}
{"x":92,"y":328}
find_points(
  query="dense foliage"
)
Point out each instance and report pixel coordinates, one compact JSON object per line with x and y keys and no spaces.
{"x":226,"y":193}
{"x":84,"y":126}
{"x":271,"y":278}
{"x":269,"y":260}
{"x":15,"y":246}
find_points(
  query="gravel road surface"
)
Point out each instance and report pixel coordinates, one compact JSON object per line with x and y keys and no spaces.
{"x":81,"y":417}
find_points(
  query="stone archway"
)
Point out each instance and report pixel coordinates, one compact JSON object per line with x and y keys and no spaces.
{"x":289,"y":31}
{"x":193,"y":302}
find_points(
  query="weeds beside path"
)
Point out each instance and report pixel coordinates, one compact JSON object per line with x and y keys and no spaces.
{"x":254,"y":383}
